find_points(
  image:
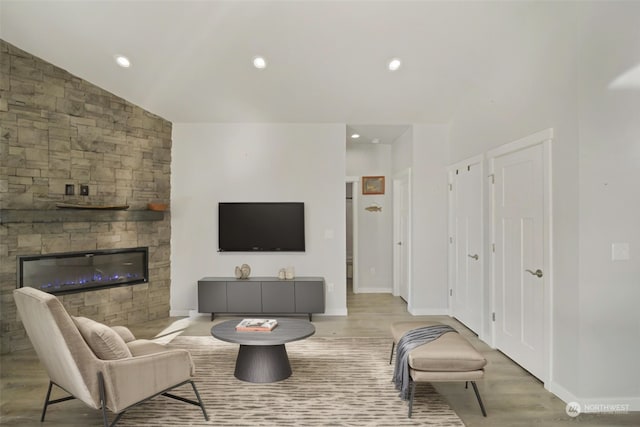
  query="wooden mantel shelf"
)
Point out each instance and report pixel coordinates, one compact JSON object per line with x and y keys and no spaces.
{"x":8,"y":216}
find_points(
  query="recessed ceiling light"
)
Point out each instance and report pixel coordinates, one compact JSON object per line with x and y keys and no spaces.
{"x":355,"y":136}
{"x":375,"y":141}
{"x":394,"y":64}
{"x":123,"y":61}
{"x":259,"y":62}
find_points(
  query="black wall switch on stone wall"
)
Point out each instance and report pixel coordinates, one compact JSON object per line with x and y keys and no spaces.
{"x":69,"y":189}
{"x":84,"y":190}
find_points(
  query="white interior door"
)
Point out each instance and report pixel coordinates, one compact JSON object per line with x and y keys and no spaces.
{"x":466,"y":257}
{"x":402,"y":234}
{"x":520,"y":276}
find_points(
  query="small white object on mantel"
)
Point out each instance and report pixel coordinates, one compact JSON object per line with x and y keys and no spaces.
{"x":290,"y":273}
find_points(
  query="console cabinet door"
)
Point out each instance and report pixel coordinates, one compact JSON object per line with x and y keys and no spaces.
{"x":244,"y":297}
{"x":212,"y":296}
{"x":278,"y":297}
{"x":309,"y":296}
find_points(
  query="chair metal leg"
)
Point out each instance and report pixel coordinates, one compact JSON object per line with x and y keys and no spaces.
{"x":116,"y":419}
{"x":393,"y":345}
{"x":204,"y":411}
{"x":412,"y":392}
{"x":46,"y":402}
{"x":103,"y":404}
{"x":475,"y":389}
{"x":189,"y":401}
{"x":103,"y":400}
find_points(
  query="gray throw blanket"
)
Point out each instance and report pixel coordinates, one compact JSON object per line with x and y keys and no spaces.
{"x":408,"y":342}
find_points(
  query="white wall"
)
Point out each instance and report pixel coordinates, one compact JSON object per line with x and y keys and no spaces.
{"x":429,"y":220}
{"x":595,"y":171}
{"x":213,"y":163}
{"x":375,"y":229}
{"x":402,"y":152}
{"x":609,"y":161}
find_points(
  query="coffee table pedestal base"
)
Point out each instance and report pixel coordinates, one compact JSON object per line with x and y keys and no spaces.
{"x":262,"y":363}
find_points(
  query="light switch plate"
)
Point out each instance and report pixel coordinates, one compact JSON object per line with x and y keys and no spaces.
{"x":620,"y":252}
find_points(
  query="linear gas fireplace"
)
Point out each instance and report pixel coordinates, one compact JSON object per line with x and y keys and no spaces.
{"x":82,"y":271}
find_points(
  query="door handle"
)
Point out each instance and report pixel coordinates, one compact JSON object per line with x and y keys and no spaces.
{"x":399,"y":243}
{"x":474,"y":256}
{"x":538,"y":272}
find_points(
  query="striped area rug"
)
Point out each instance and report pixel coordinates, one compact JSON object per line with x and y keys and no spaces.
{"x":335,"y":382}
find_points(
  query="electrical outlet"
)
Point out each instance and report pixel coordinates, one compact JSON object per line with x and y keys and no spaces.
{"x":620,"y":252}
{"x":84,"y":190}
{"x":69,"y":189}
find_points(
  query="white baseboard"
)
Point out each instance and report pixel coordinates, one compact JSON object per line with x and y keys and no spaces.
{"x":180,"y":313}
{"x":428,"y":311}
{"x":195,"y":313}
{"x":375,"y":290}
{"x":334,"y":312}
{"x":562,"y":393}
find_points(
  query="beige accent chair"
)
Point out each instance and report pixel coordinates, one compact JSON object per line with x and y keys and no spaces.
{"x":106,"y":368}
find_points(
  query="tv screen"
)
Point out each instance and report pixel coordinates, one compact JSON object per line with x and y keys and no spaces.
{"x":265,"y":227}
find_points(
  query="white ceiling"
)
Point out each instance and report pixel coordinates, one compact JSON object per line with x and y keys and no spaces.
{"x":326,"y":59}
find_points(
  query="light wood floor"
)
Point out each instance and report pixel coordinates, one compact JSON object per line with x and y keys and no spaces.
{"x":511,"y":396}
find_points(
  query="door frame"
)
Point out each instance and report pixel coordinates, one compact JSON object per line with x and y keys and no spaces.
{"x":479,"y":160}
{"x":545,"y":138}
{"x":355,"y":189}
{"x":402,"y":175}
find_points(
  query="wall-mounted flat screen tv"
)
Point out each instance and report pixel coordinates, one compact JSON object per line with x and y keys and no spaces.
{"x":261,"y":227}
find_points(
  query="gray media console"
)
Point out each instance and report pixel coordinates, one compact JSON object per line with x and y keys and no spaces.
{"x":261,"y":295}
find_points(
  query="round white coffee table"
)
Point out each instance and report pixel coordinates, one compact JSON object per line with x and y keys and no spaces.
{"x":262,"y":357}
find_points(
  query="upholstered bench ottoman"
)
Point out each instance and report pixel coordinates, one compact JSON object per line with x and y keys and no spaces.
{"x":447,"y":358}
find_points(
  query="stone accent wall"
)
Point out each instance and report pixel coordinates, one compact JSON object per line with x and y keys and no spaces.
{"x":58,"y":129}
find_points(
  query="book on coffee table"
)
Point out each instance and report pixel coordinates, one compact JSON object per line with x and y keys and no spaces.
{"x":256,"y":325}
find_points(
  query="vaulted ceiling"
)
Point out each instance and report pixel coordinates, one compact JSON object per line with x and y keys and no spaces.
{"x":326,"y":60}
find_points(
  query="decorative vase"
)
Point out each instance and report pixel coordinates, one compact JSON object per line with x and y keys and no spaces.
{"x":290,"y":273}
{"x":246,"y":271}
{"x":243,"y":271}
